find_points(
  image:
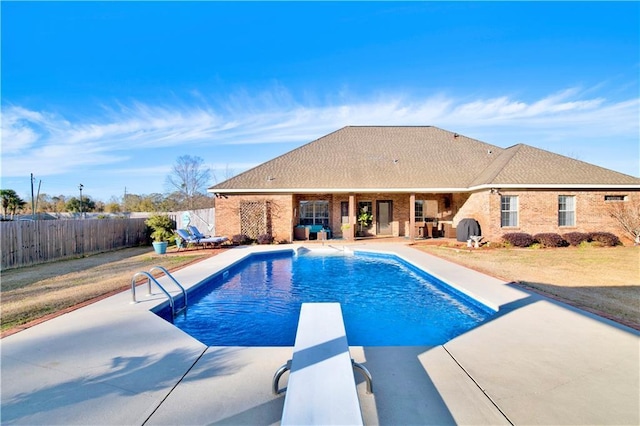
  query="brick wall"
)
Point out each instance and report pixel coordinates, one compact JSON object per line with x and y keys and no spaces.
{"x":478,"y":206}
{"x":538,"y":211}
{"x":281,"y":209}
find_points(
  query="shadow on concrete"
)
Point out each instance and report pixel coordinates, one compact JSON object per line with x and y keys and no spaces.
{"x":534,"y":295}
{"x":126,"y":376}
{"x":269,"y":413}
{"x":624,"y":301}
{"x":403,"y":391}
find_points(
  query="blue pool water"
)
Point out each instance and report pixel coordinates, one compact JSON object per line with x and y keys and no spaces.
{"x":385,"y":301}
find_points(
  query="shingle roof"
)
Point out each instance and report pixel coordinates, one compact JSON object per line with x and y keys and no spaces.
{"x":413,"y":158}
{"x":524,"y":165}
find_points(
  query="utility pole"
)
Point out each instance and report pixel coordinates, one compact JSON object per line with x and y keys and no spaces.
{"x":80,"y":188}
{"x":33,"y":201}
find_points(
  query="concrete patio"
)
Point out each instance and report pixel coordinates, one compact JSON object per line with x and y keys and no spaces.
{"x":536,"y":361}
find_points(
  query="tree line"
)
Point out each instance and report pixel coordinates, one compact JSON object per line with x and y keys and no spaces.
{"x":187,"y":185}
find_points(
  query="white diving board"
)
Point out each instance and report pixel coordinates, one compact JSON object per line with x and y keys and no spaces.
{"x":321,"y":388}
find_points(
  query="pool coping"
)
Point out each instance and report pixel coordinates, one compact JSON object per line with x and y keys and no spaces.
{"x":537,"y":361}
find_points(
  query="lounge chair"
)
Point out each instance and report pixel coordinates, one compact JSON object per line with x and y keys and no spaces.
{"x":188,"y":238}
{"x":196,"y":232}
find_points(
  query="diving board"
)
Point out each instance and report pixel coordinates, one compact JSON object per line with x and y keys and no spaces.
{"x":321,"y":388}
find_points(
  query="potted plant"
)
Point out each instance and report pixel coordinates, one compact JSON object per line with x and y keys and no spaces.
{"x":364,"y":219}
{"x":161,"y":231}
{"x":346,"y":230}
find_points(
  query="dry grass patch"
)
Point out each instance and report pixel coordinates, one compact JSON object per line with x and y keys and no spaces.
{"x":603,"y":280}
{"x":36,"y":291}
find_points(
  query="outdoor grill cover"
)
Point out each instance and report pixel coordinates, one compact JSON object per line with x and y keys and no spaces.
{"x":466,"y":228}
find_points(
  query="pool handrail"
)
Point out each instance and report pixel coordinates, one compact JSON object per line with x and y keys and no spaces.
{"x":151,"y":278}
{"x":184,"y":292}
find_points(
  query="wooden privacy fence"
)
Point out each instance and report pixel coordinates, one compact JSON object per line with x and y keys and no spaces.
{"x":26,"y":243}
{"x":203,"y":219}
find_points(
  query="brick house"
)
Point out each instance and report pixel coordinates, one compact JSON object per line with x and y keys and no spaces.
{"x":419,"y":182}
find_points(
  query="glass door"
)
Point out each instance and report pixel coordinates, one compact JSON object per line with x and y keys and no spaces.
{"x":384,"y":217}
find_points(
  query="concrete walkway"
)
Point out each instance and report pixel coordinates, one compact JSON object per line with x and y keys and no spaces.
{"x":536,"y":361}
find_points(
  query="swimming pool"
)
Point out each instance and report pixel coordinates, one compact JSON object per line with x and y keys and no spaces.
{"x":385,"y":301}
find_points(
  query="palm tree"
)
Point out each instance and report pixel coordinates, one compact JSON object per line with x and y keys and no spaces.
{"x":11,"y":201}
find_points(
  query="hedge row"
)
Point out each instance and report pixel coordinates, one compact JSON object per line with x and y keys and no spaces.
{"x":522,"y":239}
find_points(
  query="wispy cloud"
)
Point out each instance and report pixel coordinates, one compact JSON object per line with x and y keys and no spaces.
{"x":58,"y":145}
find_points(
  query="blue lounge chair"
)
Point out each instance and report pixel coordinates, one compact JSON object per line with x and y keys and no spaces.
{"x":196,"y":232}
{"x":188,"y":238}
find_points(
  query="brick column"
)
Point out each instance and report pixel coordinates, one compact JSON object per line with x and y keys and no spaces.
{"x":352,"y":216}
{"x":412,"y":217}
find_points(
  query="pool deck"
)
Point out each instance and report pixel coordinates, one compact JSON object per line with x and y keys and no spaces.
{"x":537,"y":361}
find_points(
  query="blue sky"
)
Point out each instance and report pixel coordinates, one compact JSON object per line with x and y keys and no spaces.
{"x":110,"y":94}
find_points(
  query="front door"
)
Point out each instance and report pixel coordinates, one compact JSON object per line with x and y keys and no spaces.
{"x":384,"y":217}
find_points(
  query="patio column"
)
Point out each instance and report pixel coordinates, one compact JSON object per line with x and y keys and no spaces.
{"x":352,"y":215}
{"x":412,"y":217}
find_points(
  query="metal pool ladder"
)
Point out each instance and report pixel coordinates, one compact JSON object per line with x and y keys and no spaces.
{"x":151,"y":278}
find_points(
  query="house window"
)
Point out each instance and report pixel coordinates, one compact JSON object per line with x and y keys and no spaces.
{"x":566,"y":210}
{"x":314,"y":212}
{"x":419,"y":216}
{"x":344,"y":211}
{"x":615,"y":198}
{"x":426,"y":210}
{"x":508,"y":210}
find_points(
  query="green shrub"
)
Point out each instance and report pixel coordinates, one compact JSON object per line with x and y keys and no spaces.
{"x":161,"y":226}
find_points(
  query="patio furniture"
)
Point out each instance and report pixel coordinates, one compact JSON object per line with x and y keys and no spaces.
{"x":310,"y":232}
{"x":188,"y":238}
{"x":196,"y":232}
{"x":301,"y":233}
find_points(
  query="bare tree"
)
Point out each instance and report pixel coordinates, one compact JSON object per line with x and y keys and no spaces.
{"x":189,"y":178}
{"x":628,"y":217}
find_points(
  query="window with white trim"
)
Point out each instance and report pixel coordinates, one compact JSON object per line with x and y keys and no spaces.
{"x":508,"y":211}
{"x":566,"y":210}
{"x":344,"y":212}
{"x":426,"y":210}
{"x":314,"y":212}
{"x":615,"y":198}
{"x":419,"y":215}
